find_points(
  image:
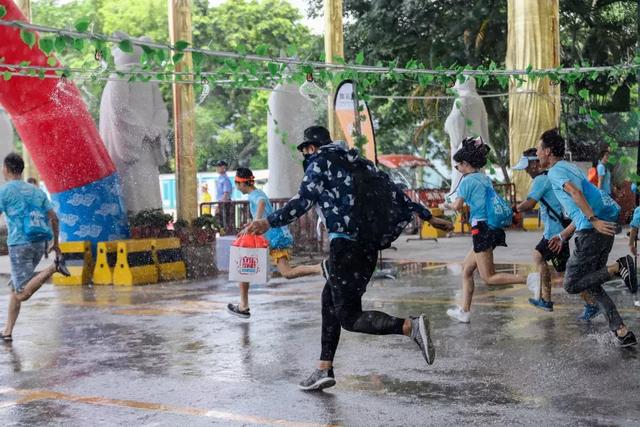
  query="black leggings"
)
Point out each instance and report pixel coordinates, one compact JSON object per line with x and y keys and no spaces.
{"x":350,"y":268}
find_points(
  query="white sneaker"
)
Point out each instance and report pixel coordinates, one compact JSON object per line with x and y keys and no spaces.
{"x":459,"y":314}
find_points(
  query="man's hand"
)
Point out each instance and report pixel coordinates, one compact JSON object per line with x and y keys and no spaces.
{"x":440,"y":223}
{"x":555,"y":244}
{"x":604,"y":227}
{"x":259,"y":226}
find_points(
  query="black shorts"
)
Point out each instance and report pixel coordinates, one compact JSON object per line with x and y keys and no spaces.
{"x":559,"y":260}
{"x":485,"y":238}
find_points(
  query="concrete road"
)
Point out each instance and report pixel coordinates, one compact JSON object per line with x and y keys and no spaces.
{"x":168,"y":355}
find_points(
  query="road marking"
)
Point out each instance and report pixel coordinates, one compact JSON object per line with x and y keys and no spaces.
{"x":36,"y":395}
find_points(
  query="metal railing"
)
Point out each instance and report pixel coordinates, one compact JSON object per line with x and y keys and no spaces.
{"x":233,"y":216}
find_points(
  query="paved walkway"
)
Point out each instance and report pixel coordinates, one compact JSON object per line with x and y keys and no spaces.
{"x":169,"y":354}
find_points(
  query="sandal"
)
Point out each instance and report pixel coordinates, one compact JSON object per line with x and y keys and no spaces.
{"x":61,"y":266}
{"x":6,"y":338}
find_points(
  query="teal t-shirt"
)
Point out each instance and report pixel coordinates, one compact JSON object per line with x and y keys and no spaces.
{"x":280,"y":237}
{"x":14,"y":198}
{"x":541,"y":188}
{"x":473,"y":189}
{"x":606,"y":177}
{"x":564,"y":172}
{"x":635,"y":221}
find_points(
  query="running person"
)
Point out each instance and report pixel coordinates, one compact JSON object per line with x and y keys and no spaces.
{"x":554,"y":245}
{"x":351,"y":261}
{"x":280,"y":240}
{"x":633,"y":241}
{"x":471,"y":158}
{"x":17,"y":201}
{"x":592,"y":212}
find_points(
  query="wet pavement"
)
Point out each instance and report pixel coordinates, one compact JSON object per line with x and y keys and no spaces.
{"x":170,"y":355}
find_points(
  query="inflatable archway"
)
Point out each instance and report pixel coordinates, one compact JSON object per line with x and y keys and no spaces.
{"x":55,"y":125}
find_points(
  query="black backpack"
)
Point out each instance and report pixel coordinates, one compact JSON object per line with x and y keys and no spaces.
{"x":380,"y":210}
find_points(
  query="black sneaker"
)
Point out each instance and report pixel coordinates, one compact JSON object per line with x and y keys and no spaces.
{"x":627,"y":340}
{"x":61,"y":267}
{"x":628,"y":272}
{"x":325,"y":269}
{"x":235,"y":310}
{"x":421,"y":334}
{"x":320,"y":379}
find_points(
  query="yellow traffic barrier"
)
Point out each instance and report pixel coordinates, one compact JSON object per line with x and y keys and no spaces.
{"x":105,"y":263}
{"x":79,"y":261}
{"x":532,"y":223}
{"x":135,"y":264}
{"x":168,"y":256}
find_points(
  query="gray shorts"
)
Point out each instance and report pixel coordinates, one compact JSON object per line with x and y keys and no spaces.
{"x":24,"y":260}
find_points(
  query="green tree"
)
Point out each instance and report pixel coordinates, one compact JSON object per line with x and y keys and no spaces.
{"x":244,"y":26}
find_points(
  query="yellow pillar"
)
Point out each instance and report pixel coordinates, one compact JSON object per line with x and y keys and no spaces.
{"x":30,"y":170}
{"x":184,"y":116}
{"x":533,"y":39}
{"x":333,"y":48}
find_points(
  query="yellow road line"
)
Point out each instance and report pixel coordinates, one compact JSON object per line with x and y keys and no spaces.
{"x":36,"y":395}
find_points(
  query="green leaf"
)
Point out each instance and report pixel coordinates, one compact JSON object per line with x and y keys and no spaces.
{"x":3,"y":11}
{"x":360,"y":58}
{"x":177,"y":57}
{"x":82,"y":25}
{"x":584,"y":94}
{"x":78,"y":44}
{"x":273,"y":68}
{"x":126,"y":46}
{"x":60,"y":44}
{"x":262,"y":49}
{"x":28,"y":38}
{"x":46,"y":45}
{"x":292,"y":50}
{"x":52,"y":61}
{"x":181,"y":45}
{"x":6,"y":75}
{"x":198,"y":58}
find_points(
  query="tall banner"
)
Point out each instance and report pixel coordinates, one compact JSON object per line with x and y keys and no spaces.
{"x":345,"y":107}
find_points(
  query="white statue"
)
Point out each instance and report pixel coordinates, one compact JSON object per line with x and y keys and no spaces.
{"x":6,"y":138}
{"x":133,"y":126}
{"x":289,"y":115}
{"x":468,"y":118}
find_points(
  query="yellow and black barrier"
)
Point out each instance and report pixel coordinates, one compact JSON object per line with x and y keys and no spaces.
{"x":135,"y":263}
{"x":168,"y":255}
{"x":79,"y":261}
{"x":106,"y":255}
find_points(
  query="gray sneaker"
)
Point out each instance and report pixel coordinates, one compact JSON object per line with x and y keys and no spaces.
{"x":321,"y":378}
{"x":421,"y":334}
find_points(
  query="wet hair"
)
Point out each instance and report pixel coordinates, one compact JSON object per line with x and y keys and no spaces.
{"x":473,"y":151}
{"x":551,"y":139}
{"x":531,"y":152}
{"x":245,"y":173}
{"x":14,"y":163}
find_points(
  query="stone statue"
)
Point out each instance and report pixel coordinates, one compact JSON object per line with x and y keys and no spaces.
{"x":133,"y":126}
{"x":289,"y":115}
{"x":468,"y":118}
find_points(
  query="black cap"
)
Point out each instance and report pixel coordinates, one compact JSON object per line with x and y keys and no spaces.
{"x":315,"y":135}
{"x":221,"y":163}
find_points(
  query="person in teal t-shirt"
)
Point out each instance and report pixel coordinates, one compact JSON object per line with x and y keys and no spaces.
{"x":590,"y":210}
{"x":25,"y":205}
{"x":604,"y":175}
{"x":471,"y":158}
{"x":280,"y":240}
{"x":554,"y":245}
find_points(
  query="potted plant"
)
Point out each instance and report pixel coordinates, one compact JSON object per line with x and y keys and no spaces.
{"x":204,"y":229}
